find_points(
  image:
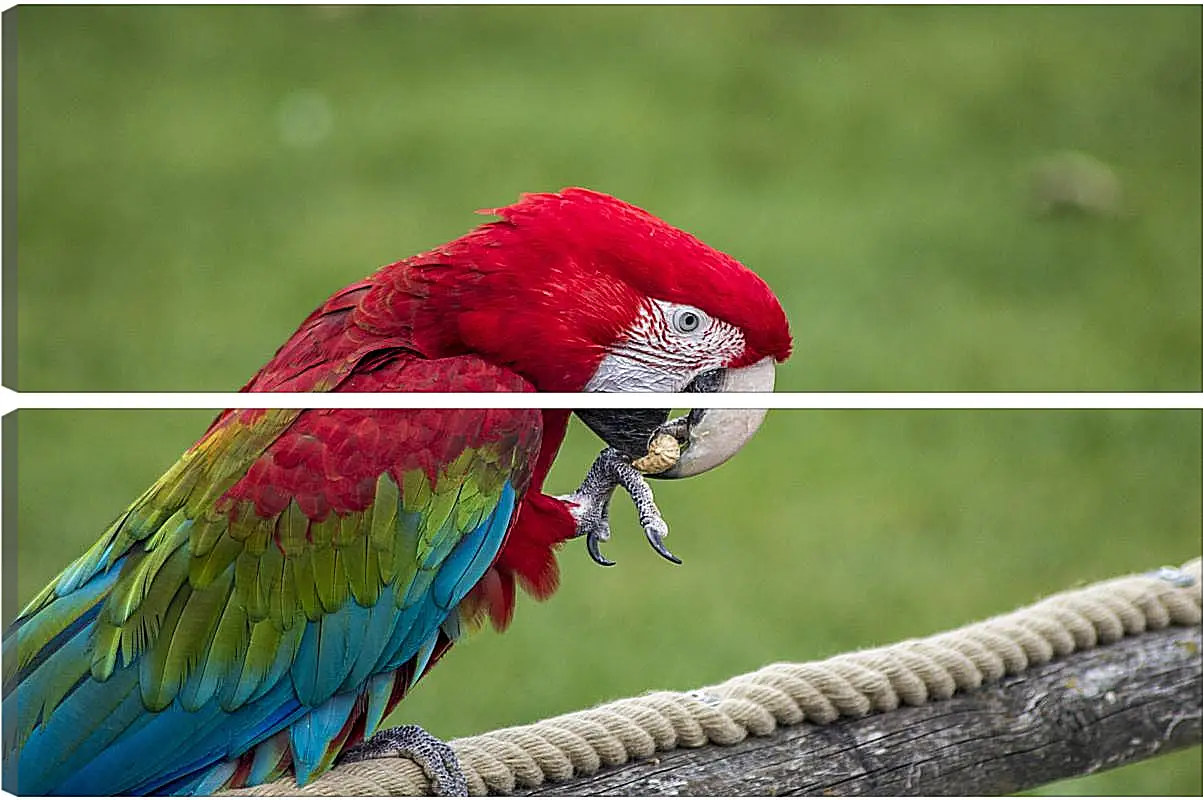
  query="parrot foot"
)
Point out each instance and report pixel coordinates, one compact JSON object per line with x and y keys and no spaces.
{"x":433,"y":755}
{"x":591,"y":505}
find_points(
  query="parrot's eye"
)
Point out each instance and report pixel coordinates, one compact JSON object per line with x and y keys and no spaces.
{"x":689,"y":320}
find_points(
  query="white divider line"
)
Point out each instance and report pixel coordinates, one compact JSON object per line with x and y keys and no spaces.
{"x":11,"y":400}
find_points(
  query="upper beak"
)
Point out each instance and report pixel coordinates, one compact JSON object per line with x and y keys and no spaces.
{"x":707,"y":437}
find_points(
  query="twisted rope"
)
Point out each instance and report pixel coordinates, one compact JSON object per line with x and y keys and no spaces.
{"x":910,"y":673}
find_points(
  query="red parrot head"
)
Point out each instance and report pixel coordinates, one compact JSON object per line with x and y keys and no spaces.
{"x":579,"y":291}
{"x":584,"y":292}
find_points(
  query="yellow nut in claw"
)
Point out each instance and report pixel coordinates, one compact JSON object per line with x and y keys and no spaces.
{"x":663,"y":453}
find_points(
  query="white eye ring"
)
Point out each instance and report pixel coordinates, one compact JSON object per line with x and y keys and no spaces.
{"x":690,"y":320}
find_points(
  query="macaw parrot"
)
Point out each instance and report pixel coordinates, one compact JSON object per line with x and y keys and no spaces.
{"x":264,"y":605}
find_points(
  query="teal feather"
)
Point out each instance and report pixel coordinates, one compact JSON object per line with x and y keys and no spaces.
{"x":227,"y":647}
{"x":270,"y":758}
{"x":215,"y":780}
{"x":49,"y":683}
{"x":393,"y":655}
{"x":466,"y":564}
{"x":36,"y":634}
{"x":422,"y":658}
{"x":419,"y":587}
{"x":327,"y":653}
{"x":80,"y":572}
{"x":376,"y":634}
{"x":269,"y":655}
{"x":79,"y":730}
{"x":313,"y":733}
{"x":428,"y":619}
{"x":378,"y":692}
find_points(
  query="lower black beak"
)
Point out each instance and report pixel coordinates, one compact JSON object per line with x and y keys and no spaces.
{"x":626,"y":430}
{"x":630,"y":431}
{"x":706,"y":438}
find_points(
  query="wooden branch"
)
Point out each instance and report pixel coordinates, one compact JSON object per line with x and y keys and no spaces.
{"x":1091,"y":711}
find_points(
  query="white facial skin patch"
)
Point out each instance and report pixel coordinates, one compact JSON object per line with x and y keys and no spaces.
{"x":666,"y":346}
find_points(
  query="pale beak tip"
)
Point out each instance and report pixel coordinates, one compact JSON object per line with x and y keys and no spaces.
{"x":722,"y":432}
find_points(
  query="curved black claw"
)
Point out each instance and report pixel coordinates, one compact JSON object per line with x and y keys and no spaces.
{"x":593,"y":545}
{"x":656,"y":539}
{"x":591,"y":505}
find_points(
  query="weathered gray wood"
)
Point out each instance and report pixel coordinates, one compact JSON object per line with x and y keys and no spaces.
{"x":1092,"y":711}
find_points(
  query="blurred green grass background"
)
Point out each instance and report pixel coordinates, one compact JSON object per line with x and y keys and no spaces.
{"x":193,"y":181}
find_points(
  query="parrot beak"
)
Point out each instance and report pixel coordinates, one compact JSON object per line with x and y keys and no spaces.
{"x":712,"y":436}
{"x":707,"y":437}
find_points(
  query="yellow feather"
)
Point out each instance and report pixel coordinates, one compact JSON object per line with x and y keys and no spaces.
{"x":457,"y":469}
{"x":136,"y":577}
{"x":384,"y":512}
{"x":105,"y":643}
{"x":362,"y":572}
{"x":292,"y":528}
{"x":267,"y":585}
{"x":304,"y":583}
{"x":261,"y":535}
{"x":205,"y":533}
{"x":159,"y":683}
{"x":330,"y":579}
{"x":348,"y":530}
{"x":435,"y":516}
{"x":322,"y":532}
{"x":263,"y":650}
{"x":141,"y":629}
{"x":205,"y":569}
{"x":415,"y":490}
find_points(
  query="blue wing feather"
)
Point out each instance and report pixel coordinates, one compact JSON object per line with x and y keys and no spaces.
{"x":377,"y":632}
{"x":378,"y":692}
{"x":467,"y":563}
{"x":312,"y":734}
